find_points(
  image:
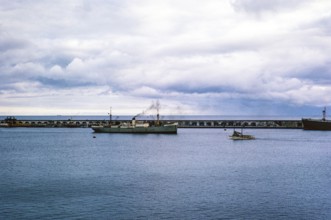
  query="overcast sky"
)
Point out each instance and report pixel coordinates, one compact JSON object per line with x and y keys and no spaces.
{"x":231,"y":57}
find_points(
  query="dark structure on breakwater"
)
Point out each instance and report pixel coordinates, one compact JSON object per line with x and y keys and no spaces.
{"x":240,"y":124}
{"x":293,"y":124}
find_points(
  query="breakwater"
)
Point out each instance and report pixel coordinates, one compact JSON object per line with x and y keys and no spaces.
{"x":293,"y":124}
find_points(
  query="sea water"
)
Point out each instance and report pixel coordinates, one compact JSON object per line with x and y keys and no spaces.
{"x":63,"y":173}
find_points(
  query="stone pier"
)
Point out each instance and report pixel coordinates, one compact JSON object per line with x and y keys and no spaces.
{"x":293,"y":124}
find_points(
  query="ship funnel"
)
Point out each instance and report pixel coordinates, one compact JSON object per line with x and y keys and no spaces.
{"x":134,"y":121}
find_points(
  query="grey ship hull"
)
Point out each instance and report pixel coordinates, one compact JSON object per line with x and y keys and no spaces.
{"x":313,"y":124}
{"x":170,"y":129}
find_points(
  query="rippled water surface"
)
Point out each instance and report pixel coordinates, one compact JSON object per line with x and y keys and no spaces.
{"x":58,"y":173}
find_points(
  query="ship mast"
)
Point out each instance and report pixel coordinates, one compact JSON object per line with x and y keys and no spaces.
{"x":110,"y":116}
{"x":157,"y":112}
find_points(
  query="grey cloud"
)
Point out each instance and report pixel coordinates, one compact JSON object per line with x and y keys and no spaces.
{"x":323,"y":24}
{"x":318,"y":74}
{"x":62,"y":83}
{"x":209,"y":47}
{"x":51,"y":60}
{"x":258,"y":6}
{"x":8,"y":42}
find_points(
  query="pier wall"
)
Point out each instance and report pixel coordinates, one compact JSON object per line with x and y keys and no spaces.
{"x":293,"y":124}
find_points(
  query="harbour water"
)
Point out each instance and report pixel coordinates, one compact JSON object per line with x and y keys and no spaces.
{"x":63,"y":173}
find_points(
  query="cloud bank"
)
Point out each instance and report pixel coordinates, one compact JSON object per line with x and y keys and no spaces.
{"x":210,"y":57}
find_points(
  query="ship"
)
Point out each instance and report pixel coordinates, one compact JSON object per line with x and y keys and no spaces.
{"x":317,"y":124}
{"x":142,"y":127}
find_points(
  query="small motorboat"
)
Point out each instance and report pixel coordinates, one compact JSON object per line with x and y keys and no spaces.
{"x":240,"y":136}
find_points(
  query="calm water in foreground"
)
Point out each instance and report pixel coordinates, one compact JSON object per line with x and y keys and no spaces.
{"x":57,"y":173}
